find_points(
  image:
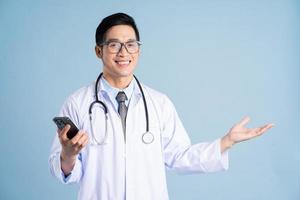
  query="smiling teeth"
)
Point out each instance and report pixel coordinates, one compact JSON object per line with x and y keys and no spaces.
{"x":123,"y":62}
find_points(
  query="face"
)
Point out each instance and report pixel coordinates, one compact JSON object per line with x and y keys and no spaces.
{"x":121,"y":64}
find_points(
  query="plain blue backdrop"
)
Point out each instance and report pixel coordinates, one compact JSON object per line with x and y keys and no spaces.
{"x":217,"y":60}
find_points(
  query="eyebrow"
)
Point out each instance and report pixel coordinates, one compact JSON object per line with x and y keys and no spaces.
{"x":117,"y":40}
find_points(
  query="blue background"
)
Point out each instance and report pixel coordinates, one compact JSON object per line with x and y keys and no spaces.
{"x":217,"y":60}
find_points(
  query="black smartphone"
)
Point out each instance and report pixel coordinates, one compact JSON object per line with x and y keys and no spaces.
{"x":61,"y":122}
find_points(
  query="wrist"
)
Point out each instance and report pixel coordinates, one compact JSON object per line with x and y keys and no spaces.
{"x":67,"y":158}
{"x":67,"y":163}
{"x":226,"y":143}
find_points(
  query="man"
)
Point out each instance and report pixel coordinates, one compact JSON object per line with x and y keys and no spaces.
{"x":117,"y":157}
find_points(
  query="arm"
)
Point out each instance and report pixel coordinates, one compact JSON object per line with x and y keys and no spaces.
{"x":70,"y":148}
{"x":180,"y":154}
{"x":239,"y":133}
{"x":202,"y":157}
{"x":65,"y":157}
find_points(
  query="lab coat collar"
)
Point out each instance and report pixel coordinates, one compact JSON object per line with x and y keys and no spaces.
{"x":132,"y":92}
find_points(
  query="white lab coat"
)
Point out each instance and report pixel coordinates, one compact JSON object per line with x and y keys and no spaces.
{"x":132,"y":170}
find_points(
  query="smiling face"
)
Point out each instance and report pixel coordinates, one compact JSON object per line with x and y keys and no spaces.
{"x":118,"y":67}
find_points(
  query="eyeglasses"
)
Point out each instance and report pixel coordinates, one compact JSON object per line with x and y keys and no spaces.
{"x":115,"y":47}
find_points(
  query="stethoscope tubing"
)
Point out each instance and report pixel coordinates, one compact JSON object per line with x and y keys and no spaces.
{"x":97,"y":101}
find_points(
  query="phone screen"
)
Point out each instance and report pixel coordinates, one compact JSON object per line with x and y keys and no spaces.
{"x":61,"y":122}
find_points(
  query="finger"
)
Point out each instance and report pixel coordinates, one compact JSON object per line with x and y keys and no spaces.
{"x":254,"y":132}
{"x":82,"y":145}
{"x":82,"y":140}
{"x":260,"y":130}
{"x":75,"y":139}
{"x":244,"y":121}
{"x":85,"y":143}
{"x":265,"y":128}
{"x":63,"y":133}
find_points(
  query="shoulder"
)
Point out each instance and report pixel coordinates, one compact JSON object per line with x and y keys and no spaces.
{"x":81,"y":96}
{"x":158,"y":97}
{"x":76,"y":105}
{"x":152,"y":91}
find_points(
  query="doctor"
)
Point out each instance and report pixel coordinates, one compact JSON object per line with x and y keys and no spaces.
{"x":123,"y":155}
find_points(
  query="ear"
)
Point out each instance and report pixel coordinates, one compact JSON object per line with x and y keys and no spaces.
{"x":98,"y":51}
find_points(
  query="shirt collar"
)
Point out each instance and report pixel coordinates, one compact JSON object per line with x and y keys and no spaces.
{"x":111,"y":92}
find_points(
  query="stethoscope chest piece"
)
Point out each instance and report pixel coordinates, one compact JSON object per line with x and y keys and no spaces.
{"x":147,"y":138}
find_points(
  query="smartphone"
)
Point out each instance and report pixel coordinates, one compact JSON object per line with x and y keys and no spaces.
{"x":61,"y":122}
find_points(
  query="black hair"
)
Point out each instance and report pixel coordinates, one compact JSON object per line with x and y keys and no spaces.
{"x":113,"y":20}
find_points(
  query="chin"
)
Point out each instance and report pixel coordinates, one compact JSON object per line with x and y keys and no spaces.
{"x":125,"y":72}
{"x":122,"y":73}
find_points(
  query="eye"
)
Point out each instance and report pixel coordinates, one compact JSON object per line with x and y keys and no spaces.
{"x":113,"y":44}
{"x":131,"y":44}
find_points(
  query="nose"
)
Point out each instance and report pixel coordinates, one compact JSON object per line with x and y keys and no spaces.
{"x":123,"y":50}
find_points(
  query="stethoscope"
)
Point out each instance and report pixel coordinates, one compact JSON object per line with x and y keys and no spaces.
{"x":147,"y":137}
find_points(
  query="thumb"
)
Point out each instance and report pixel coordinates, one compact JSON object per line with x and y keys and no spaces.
{"x":63,"y":133}
{"x":244,"y":121}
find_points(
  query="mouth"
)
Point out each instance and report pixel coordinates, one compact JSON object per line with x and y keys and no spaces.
{"x":123,"y":63}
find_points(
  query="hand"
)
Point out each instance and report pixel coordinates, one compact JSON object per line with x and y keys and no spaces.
{"x":70,"y":148}
{"x":239,"y":133}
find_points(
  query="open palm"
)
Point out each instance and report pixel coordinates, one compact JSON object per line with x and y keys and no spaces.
{"x":240,"y":133}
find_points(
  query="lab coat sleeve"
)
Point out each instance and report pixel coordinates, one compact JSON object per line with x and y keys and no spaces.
{"x":180,"y":155}
{"x":69,"y":109}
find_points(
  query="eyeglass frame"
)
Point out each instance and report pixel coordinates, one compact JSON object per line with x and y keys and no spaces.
{"x":122,"y":44}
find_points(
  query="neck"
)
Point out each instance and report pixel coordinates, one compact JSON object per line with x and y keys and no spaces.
{"x":118,"y":82}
